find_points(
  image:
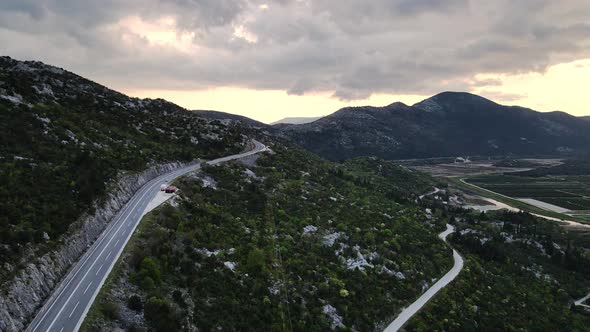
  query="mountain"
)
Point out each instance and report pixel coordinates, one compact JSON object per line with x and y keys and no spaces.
{"x":229,"y":118}
{"x":66,"y":141}
{"x":447,"y":124}
{"x":586,"y":117}
{"x":296,"y":120}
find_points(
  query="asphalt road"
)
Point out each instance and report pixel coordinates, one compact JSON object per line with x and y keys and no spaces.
{"x":410,"y":311}
{"x":66,"y":308}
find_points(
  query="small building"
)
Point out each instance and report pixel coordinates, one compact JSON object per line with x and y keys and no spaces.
{"x":170,"y":189}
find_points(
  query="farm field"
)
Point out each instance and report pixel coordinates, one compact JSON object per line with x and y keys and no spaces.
{"x":570,"y":193}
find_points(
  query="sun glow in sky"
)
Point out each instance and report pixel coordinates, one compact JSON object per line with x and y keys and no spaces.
{"x":563,"y":87}
{"x":266,"y":105}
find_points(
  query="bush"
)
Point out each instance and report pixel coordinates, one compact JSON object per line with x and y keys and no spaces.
{"x":160,"y":314}
{"x":177,"y":297}
{"x":135,"y":303}
{"x":110,"y":310}
{"x":255,"y":262}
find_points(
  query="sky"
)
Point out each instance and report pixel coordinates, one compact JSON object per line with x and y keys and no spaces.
{"x":295,"y":58}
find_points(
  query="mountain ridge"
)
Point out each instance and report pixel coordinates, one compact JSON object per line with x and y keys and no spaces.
{"x":230,"y":117}
{"x":296,"y":120}
{"x":446,"y":124}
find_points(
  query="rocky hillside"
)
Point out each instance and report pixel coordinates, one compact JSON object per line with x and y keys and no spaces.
{"x":448,"y":124}
{"x":65,"y":143}
{"x":291,"y":242}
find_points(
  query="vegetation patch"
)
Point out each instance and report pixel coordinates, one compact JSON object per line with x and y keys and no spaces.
{"x":295,"y":243}
{"x":521,"y":274}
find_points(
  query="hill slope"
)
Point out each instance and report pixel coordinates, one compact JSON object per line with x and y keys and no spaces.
{"x":291,"y":240}
{"x":297,"y":120}
{"x":65,"y":139}
{"x":230,"y":118}
{"x":447,"y":124}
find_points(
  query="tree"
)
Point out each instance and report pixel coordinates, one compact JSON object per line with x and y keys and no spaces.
{"x":255,"y":262}
{"x":134,"y":303}
{"x":160,"y":314}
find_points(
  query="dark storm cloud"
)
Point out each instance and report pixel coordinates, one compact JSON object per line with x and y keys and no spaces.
{"x":349,"y":48}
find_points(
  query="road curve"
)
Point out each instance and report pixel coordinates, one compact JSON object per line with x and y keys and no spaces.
{"x":581,"y":301}
{"x":67,"y":306}
{"x":410,"y":311}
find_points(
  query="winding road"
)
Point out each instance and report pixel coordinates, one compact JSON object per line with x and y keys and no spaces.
{"x":410,"y":311}
{"x":68,"y":305}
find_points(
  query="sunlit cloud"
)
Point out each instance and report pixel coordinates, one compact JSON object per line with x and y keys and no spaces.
{"x":162,"y":32}
{"x":241,"y":32}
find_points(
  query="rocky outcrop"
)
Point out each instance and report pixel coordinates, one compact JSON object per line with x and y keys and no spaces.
{"x":22,"y":296}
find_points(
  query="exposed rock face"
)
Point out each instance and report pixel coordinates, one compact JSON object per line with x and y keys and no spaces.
{"x":27,"y":291}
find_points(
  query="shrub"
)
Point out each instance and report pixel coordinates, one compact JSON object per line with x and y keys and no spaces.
{"x":135,"y":303}
{"x":160,"y":314}
{"x":110,"y":310}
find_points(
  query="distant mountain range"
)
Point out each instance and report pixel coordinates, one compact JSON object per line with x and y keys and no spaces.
{"x":587,"y":117}
{"x":447,"y":124}
{"x":229,"y":117}
{"x":296,"y":120}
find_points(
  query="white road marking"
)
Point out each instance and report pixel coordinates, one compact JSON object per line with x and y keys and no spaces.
{"x":110,"y":252}
{"x":102,"y":280}
{"x":117,"y":242}
{"x":87,"y":287}
{"x":90,"y":268}
{"x":62,"y":328}
{"x":76,"y":306}
{"x":89,"y":254}
{"x":97,"y":271}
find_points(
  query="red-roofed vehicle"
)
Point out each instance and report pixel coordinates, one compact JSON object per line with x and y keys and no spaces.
{"x":170,"y":189}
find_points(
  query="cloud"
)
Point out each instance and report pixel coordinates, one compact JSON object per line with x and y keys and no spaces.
{"x":502,"y":96}
{"x":486,"y":82}
{"x":348,"y":48}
